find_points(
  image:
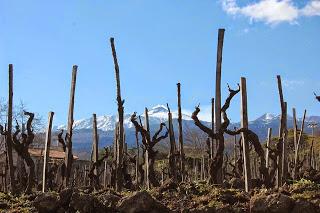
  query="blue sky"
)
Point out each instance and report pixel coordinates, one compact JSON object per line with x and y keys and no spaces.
{"x":159,"y":43}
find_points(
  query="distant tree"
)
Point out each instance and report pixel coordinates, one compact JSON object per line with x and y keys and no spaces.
{"x":18,"y":115}
{"x":195,"y":138}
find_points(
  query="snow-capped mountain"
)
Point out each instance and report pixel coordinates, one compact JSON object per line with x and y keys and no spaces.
{"x":157,"y":114}
{"x":82,"y":136}
{"x":267,"y":118}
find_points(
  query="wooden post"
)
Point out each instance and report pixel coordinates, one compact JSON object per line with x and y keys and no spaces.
{"x":95,"y":145}
{"x":137,"y":158}
{"x":296,"y":154}
{"x":202,"y":168}
{"x":146,"y":126}
{"x":284,"y":145}
{"x":245,"y":145}
{"x":172,"y":152}
{"x":255,"y":167}
{"x":47,"y":151}
{"x":9,"y":132}
{"x":181,"y":151}
{"x":311,"y":155}
{"x":268,"y":146}
{"x":162,"y":174}
{"x":195,"y":166}
{"x":69,"y":155}
{"x":120,"y":102}
{"x":212,"y":127}
{"x":235,"y":148}
{"x":85,"y":175}
{"x":295,"y":128}
{"x":115,"y":154}
{"x":235,"y":152}
{"x":105,"y":175}
{"x":125,"y":147}
{"x":218,"y":91}
{"x":281,"y":129}
{"x":115,"y":142}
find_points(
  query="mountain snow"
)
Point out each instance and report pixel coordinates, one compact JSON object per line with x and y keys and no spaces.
{"x":267,"y":117}
{"x":157,"y":114}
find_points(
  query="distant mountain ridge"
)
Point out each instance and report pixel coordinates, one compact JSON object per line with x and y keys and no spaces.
{"x":157,"y":114}
{"x":82,"y":136}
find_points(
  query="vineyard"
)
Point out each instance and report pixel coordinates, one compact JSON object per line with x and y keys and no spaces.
{"x":279,"y":174}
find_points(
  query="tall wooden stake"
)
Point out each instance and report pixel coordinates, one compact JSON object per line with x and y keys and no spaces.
{"x":105,"y":174}
{"x":85,"y":175}
{"x":47,"y":150}
{"x":115,"y":142}
{"x":268,"y":146}
{"x":212,"y":127}
{"x":69,"y":155}
{"x":181,"y":151}
{"x":281,"y":130}
{"x":120,"y":103}
{"x":147,"y":127}
{"x":295,"y":127}
{"x":172,"y":152}
{"x":218,"y":91}
{"x":245,"y":145}
{"x":95,"y":145}
{"x":9,"y":132}
{"x":284,"y":146}
{"x":235,"y":148}
{"x":296,"y":153}
{"x":137,"y":158}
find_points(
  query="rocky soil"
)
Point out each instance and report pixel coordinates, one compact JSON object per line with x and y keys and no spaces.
{"x":302,"y":196}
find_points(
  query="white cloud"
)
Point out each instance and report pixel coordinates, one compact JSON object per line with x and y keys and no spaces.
{"x":272,"y":11}
{"x":311,"y":9}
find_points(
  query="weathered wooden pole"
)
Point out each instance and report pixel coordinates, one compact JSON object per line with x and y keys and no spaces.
{"x":137,"y":158}
{"x":147,"y":127}
{"x":120,"y":103}
{"x":245,"y":144}
{"x":172,"y":151}
{"x":212,"y":127}
{"x":281,"y":130}
{"x":235,"y":148}
{"x":218,"y":91}
{"x":85,"y":175}
{"x":95,"y":144}
{"x":311,"y":155}
{"x":105,"y":174}
{"x":115,"y":142}
{"x":69,"y":155}
{"x":312,"y":125}
{"x":9,"y":132}
{"x":268,"y":146}
{"x":162,"y":174}
{"x":255,"y":173}
{"x":284,"y":145}
{"x":202,"y":168}
{"x":47,"y":151}
{"x":194,"y":168}
{"x":295,"y":128}
{"x":296,"y":154}
{"x":181,"y":151}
